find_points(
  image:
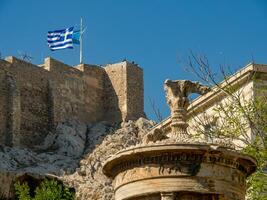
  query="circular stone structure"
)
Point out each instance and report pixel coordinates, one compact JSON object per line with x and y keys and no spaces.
{"x":179,"y":171}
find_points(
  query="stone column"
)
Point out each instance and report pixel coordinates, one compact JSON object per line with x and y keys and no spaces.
{"x":167,"y":196}
{"x":179,"y":117}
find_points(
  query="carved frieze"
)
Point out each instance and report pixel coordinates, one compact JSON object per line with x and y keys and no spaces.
{"x":183,"y":163}
{"x":177,"y":168}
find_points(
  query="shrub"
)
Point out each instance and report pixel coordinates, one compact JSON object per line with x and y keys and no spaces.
{"x":47,"y":190}
{"x":22,"y":191}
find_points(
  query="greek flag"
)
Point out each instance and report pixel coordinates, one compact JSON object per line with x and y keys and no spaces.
{"x":60,"y":39}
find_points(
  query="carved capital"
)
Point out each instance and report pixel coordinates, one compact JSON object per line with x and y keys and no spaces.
{"x":177,"y":93}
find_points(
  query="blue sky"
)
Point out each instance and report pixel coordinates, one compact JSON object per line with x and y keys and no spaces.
{"x":154,"y":33}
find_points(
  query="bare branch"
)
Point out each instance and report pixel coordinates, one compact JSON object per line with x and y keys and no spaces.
{"x":237,"y":115}
{"x":155,"y":109}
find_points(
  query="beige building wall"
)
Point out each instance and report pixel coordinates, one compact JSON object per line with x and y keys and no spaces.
{"x":249,"y":83}
{"x":213,"y":114}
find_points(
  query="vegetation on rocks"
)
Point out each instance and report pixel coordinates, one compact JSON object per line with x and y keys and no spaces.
{"x":47,"y":190}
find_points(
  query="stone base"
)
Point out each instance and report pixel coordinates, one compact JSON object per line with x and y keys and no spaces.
{"x":179,"y":171}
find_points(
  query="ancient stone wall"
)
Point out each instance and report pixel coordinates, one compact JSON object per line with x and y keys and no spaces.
{"x":34,"y":99}
{"x":66,"y":91}
{"x":7,"y":179}
{"x":115,"y":91}
{"x":135,"y":92}
{"x":124,"y":91}
{"x":27,"y":103}
{"x":93,"y":78}
{"x":3,"y":101}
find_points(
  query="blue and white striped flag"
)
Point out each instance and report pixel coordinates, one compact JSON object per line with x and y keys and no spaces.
{"x":60,"y":39}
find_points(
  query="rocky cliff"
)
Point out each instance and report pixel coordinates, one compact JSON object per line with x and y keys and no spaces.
{"x":74,"y":153}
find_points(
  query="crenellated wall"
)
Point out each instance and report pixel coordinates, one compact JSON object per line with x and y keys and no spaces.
{"x":33,"y":99}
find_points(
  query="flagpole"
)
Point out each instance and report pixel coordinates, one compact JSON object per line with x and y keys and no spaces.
{"x":81,"y":42}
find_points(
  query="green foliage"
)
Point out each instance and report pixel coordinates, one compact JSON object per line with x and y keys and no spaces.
{"x":52,"y":190}
{"x":22,"y":191}
{"x":47,"y":190}
{"x":257,"y":182}
{"x":258,"y":151}
{"x":238,"y":119}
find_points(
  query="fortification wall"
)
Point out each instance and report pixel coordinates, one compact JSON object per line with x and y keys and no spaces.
{"x":33,"y":99}
{"x":3,"y":101}
{"x":124,"y":92}
{"x":66,"y":92}
{"x":27,"y":110}
{"x":115,"y":91}
{"x":135,"y":92}
{"x":93,"y":78}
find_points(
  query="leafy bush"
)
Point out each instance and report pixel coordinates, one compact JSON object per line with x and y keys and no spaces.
{"x":47,"y":190}
{"x":22,"y":191}
{"x":257,"y":182}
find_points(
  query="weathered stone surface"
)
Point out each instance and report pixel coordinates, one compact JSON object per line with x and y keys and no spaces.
{"x":49,"y":116}
{"x":202,"y":110}
{"x":177,"y":93}
{"x":124,"y":91}
{"x":177,"y":165}
{"x":34,"y":99}
{"x":26,"y":161}
{"x":75,"y":154}
{"x":69,"y":139}
{"x":89,"y":180}
{"x":199,"y":169}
